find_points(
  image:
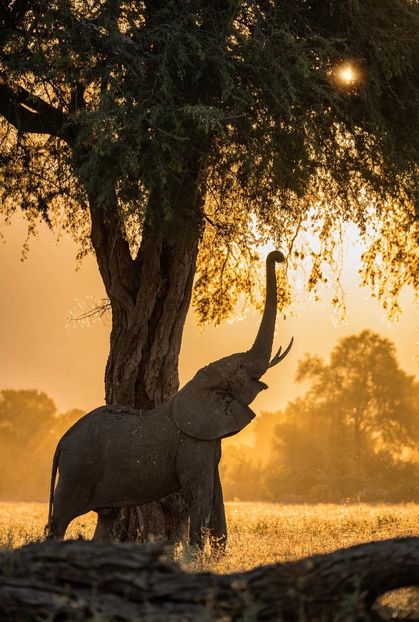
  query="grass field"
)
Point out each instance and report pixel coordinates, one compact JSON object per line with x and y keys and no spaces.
{"x":259,"y":533}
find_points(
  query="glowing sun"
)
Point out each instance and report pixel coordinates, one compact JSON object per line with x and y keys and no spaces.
{"x":347,"y":74}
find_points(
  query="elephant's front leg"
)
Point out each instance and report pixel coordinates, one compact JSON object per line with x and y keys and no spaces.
{"x":104,"y":531}
{"x":199,"y":495}
{"x":195,"y":469}
{"x":218,"y":525}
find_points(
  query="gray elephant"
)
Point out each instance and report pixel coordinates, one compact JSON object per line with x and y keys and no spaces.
{"x":116,"y":456}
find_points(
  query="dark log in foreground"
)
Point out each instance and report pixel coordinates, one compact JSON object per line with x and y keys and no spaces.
{"x":78,"y":580}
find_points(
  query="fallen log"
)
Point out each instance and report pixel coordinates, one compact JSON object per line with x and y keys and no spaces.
{"x":80,"y":580}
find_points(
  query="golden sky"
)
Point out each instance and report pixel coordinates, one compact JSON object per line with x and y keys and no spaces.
{"x":42,"y":348}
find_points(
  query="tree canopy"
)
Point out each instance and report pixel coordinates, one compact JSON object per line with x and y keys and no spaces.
{"x":237,"y":104}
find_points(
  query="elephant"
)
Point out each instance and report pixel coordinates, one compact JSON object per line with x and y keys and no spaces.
{"x":117,"y":456}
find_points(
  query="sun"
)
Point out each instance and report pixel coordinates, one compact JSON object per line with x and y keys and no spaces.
{"x":347,"y":74}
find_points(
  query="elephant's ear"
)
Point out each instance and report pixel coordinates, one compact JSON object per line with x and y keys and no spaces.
{"x":208,"y":415}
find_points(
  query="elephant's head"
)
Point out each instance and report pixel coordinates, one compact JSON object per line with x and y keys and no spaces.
{"x":214,"y":404}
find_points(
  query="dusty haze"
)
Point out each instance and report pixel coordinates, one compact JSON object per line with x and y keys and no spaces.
{"x":42,"y":348}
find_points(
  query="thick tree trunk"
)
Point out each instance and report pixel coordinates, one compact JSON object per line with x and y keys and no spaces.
{"x":142,"y":368}
{"x":83,"y":580}
{"x":150,"y":296}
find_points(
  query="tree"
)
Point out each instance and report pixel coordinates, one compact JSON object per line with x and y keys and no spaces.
{"x":351,"y":433}
{"x":30,"y":428}
{"x":156,"y":130}
{"x":366,"y":389}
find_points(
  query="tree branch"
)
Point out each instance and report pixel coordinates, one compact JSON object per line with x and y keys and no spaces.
{"x":78,"y":579}
{"x":30,"y":114}
{"x":77,"y":98}
{"x":118,"y":270}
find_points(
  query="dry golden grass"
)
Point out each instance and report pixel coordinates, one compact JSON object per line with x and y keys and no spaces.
{"x":259,"y":533}
{"x":262,"y":533}
{"x":21,"y":523}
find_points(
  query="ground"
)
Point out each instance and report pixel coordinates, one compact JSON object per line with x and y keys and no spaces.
{"x":259,"y":533}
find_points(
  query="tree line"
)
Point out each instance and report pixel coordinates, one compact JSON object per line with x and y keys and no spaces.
{"x":30,"y":427}
{"x":353,"y":435}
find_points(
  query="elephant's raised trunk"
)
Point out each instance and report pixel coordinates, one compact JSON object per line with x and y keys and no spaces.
{"x":260,"y":353}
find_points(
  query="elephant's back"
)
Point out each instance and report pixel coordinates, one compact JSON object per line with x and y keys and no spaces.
{"x":104,"y":418}
{"x":114,"y":425}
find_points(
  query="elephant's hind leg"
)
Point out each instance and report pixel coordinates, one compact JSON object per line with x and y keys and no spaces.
{"x":58,"y":527}
{"x":69,"y":502}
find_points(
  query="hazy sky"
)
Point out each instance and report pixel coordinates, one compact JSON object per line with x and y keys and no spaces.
{"x":40,"y":347}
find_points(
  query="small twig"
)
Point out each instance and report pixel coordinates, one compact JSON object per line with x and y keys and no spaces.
{"x":96,"y":312}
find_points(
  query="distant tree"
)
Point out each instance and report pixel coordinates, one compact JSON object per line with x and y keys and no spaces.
{"x":355,"y":428}
{"x":365,"y":389}
{"x":171,"y":137}
{"x":29,"y":430}
{"x":23,"y":413}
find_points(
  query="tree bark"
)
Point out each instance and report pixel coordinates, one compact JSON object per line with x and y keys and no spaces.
{"x":150,"y":295}
{"x":80,"y":580}
{"x":142,"y":369}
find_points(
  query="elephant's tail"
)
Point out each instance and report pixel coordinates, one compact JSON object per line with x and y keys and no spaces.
{"x":48,"y":527}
